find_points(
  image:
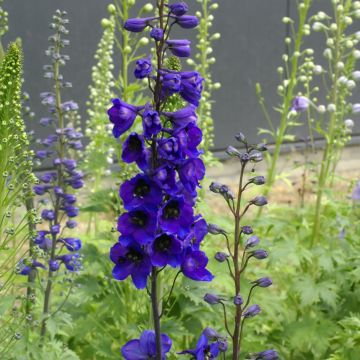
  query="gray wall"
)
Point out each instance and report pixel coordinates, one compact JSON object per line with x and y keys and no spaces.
{"x":249,"y":51}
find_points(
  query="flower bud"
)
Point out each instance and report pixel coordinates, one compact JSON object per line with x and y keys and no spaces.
{"x":247,"y":230}
{"x":238,"y":300}
{"x":221,"y":256}
{"x":212,"y":299}
{"x":259,"y":201}
{"x":215,"y":230}
{"x":258,"y":180}
{"x":252,"y":241}
{"x":241,"y":137}
{"x":260,"y":254}
{"x":232,"y":151}
{"x":252,"y":311}
{"x":263,"y":282}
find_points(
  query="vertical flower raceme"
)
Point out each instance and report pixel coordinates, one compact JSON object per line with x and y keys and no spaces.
{"x":237,"y":308}
{"x":55,"y":242}
{"x":160,"y":227}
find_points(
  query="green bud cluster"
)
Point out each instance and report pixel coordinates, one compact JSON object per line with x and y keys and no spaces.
{"x":3,"y":20}
{"x":99,"y":152}
{"x":202,"y":64}
{"x":15,"y":158}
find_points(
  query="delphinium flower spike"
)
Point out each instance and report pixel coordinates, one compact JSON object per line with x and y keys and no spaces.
{"x":160,"y":227}
{"x":56,"y":247}
{"x":240,"y":251}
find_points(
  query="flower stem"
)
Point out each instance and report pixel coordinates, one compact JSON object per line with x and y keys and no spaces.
{"x":155,"y":312}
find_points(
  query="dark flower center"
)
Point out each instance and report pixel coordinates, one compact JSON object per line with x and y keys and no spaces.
{"x":172,"y":210}
{"x":162,"y":243}
{"x":142,"y":188}
{"x":139,"y":218}
{"x":134,"y":256}
{"x":135,"y":143}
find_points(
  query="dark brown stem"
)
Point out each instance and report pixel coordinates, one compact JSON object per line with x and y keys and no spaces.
{"x":155,"y":312}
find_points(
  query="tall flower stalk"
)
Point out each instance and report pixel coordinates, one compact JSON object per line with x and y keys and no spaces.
{"x":287,"y":91}
{"x":58,"y":216}
{"x":204,"y":59}
{"x":159,"y":227}
{"x":240,"y":250}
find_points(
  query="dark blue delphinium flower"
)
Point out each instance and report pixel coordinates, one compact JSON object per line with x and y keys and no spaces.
{"x":171,"y":83}
{"x":140,"y":190}
{"x":191,"y":172}
{"x":180,"y":48}
{"x":139,"y":223}
{"x":145,"y":347}
{"x":183,"y":117}
{"x":263,"y":282}
{"x":122,"y":115}
{"x":176,"y":216}
{"x":134,"y":150}
{"x":131,"y":261}
{"x":143,"y":68}
{"x":212,"y":299}
{"x":160,"y":228}
{"x":72,"y":262}
{"x":23,"y":268}
{"x":194,"y":265}
{"x":209,"y":346}
{"x":166,"y":249}
{"x":151,"y":122}
{"x":72,"y":244}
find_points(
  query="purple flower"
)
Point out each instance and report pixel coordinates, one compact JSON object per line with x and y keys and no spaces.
{"x":41,"y":189}
{"x":157,"y":34}
{"x":48,"y":177}
{"x":165,"y":176}
{"x":134,"y":150}
{"x":151,"y":122}
{"x":48,"y":98}
{"x":140,"y":190}
{"x":46,"y":121}
{"x":50,"y":140}
{"x":71,"y":261}
{"x":300,"y":104}
{"x":71,"y":211}
{"x":69,"y":198}
{"x":131,"y":261}
{"x":72,"y":244}
{"x":176,"y":216}
{"x":180,"y":48}
{"x":42,"y":240}
{"x":42,"y":154}
{"x":140,"y":224}
{"x":171,"y":83}
{"x":122,"y":115}
{"x":166,"y":250}
{"x":193,"y":266}
{"x":55,"y":229}
{"x":54,"y":265}
{"x":47,"y":214}
{"x":189,"y":138}
{"x":178,"y":9}
{"x":204,"y":348}
{"x":137,"y":24}
{"x":258,"y":180}
{"x":183,"y":117}
{"x":145,"y":347}
{"x":25,"y":269}
{"x":191,"y":171}
{"x":187,"y":21}
{"x":251,"y":311}
{"x":169,"y":149}
{"x":69,"y":106}
{"x":69,"y":164}
{"x":216,"y":230}
{"x":265,"y":355}
{"x":143,"y":68}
